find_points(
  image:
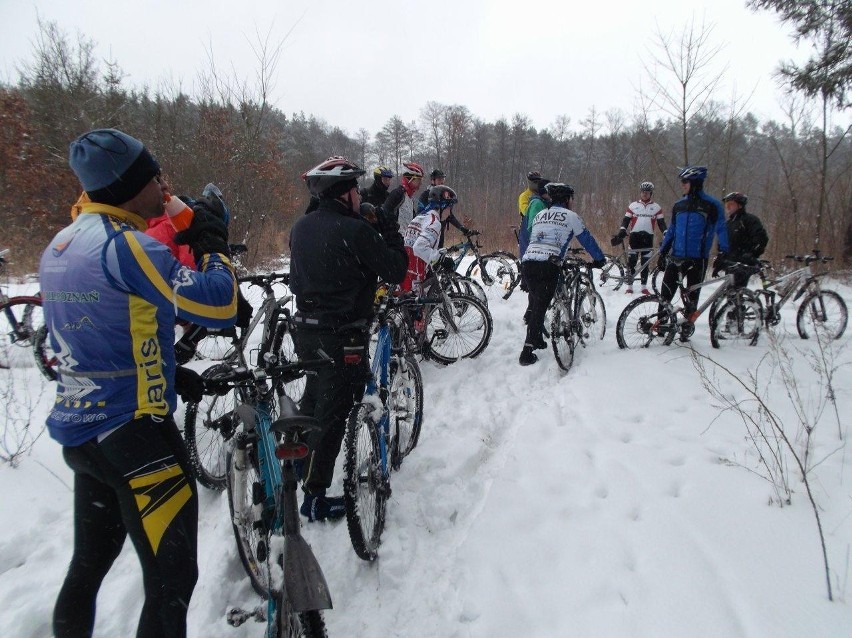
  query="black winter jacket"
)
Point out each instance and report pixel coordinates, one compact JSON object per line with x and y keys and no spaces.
{"x":375,"y":194}
{"x":335,"y":261}
{"x":745,"y":235}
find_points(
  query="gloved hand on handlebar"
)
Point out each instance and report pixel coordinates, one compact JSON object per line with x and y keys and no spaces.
{"x":662,"y":261}
{"x":618,"y":237}
{"x":599,"y":263}
{"x":720,"y":264}
{"x":189,"y":384}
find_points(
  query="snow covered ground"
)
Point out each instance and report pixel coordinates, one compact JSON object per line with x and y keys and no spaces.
{"x":615,"y":500}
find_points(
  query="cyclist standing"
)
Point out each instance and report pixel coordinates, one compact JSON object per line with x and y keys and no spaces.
{"x":696,"y":219}
{"x":377,"y":192}
{"x":552,"y":231}
{"x":533,"y":178}
{"x":336,"y":258}
{"x":639,"y":220}
{"x":436,"y":178}
{"x":746,"y":235}
{"x":423,"y":236}
{"x":537,"y":203}
{"x":110,"y":296}
{"x":400,"y":202}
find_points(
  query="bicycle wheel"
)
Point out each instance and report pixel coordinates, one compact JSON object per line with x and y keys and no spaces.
{"x":405,"y":404}
{"x":499,"y":272}
{"x":365,"y":488}
{"x":216,"y":345}
{"x":643,"y":323}
{"x":464,"y":335}
{"x":656,"y":278}
{"x":592,"y":316}
{"x":462,"y":285}
{"x":245,"y":494}
{"x":508,"y":258}
{"x":291,"y":624}
{"x":20,"y":319}
{"x":562,"y":338}
{"x":45,"y":357}
{"x":612,"y":274}
{"x":822,"y":313}
{"x":282,"y":344}
{"x":735,"y":319}
{"x":208,"y":429}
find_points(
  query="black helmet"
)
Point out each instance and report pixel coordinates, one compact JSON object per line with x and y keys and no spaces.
{"x":382,"y":171}
{"x":542,"y":185}
{"x":533,"y":176}
{"x":739,"y":198}
{"x":559,"y":192}
{"x":444,"y":196}
{"x":436,"y":173}
{"x":333,"y":177}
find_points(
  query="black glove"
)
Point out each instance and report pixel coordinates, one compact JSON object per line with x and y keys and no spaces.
{"x":189,"y":384}
{"x":207,"y":233}
{"x":244,"y":311}
{"x":599,"y":263}
{"x":388,"y":228}
{"x":447,"y":263}
{"x":618,"y":237}
{"x":368,"y":212}
{"x":464,"y":230}
{"x":719,"y":264}
{"x":662,"y":261}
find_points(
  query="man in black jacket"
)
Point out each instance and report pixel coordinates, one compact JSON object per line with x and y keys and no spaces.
{"x":747,"y":237}
{"x":336,"y":259}
{"x":377,"y":192}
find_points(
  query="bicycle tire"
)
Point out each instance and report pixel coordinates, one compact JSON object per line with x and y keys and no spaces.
{"x":816,"y":314}
{"x":405,"y":407}
{"x":612,"y":274}
{"x":643,"y":323}
{"x":499,"y":270}
{"x":455,"y":282}
{"x":656,"y":278}
{"x":19,"y":323}
{"x":592,"y":315}
{"x":245,"y":492}
{"x":563,"y":339}
{"x":365,"y":489}
{"x":291,"y":624}
{"x":284,"y":347}
{"x":208,"y":431}
{"x":216,"y":346}
{"x":507,"y":257}
{"x":45,"y":357}
{"x":735,"y":319}
{"x":468,"y":339}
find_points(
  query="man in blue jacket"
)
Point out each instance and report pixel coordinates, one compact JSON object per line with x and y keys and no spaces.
{"x":110,"y":294}
{"x":696,"y":219}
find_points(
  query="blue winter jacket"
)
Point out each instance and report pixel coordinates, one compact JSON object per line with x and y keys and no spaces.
{"x":110,"y":296}
{"x":696,"y":218}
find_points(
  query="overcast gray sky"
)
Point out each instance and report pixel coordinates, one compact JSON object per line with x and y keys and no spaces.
{"x":357,"y":65}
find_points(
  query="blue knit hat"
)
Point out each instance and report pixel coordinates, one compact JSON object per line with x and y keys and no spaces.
{"x":112,"y":166}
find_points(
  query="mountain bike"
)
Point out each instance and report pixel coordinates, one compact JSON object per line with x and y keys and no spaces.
{"x":444,"y":325}
{"x":210,"y":425}
{"x":735,"y":315}
{"x":577,"y":313}
{"x":492,"y":269}
{"x":381,"y":430}
{"x":615,"y":272}
{"x":22,"y":331}
{"x":821,"y":311}
{"x":261,"y":480}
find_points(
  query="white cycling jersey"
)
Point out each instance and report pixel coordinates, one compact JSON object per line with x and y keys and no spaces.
{"x":643,"y":217}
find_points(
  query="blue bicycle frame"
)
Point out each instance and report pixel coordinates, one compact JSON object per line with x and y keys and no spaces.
{"x":378,"y":385}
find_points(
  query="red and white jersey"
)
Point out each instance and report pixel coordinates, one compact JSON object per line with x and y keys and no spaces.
{"x":644,"y":217}
{"x":423,"y":234}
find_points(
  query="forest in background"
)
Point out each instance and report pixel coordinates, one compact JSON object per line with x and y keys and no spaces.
{"x":796,"y":173}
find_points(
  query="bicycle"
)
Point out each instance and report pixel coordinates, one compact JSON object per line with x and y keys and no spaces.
{"x":444,"y":325}
{"x":21,"y":328}
{"x":381,"y":430}
{"x":735,"y":315}
{"x":209,"y":425}
{"x":491,"y":268}
{"x":616,"y":270}
{"x":262,"y":500}
{"x":820,"y":310}
{"x":578,"y":313}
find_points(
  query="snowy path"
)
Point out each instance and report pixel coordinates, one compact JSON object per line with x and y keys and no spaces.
{"x":604,"y":502}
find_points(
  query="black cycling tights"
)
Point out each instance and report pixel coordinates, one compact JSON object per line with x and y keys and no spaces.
{"x":136,"y":482}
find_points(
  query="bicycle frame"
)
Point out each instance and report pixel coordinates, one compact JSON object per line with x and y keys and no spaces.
{"x":622,"y":259}
{"x":378,"y":386}
{"x":790,"y":286}
{"x":727,"y":284}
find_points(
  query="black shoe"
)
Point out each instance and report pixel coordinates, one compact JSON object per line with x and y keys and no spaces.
{"x":528,"y":357}
{"x":319,"y":507}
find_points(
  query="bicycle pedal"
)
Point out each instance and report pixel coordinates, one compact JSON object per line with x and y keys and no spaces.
{"x":237,"y":616}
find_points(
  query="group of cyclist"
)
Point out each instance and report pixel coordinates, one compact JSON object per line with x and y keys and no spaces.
{"x":697,"y":219}
{"x":112,"y":294}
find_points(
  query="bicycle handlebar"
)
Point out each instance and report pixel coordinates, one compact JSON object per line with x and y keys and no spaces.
{"x":222,"y":383}
{"x":265,"y":280}
{"x":809,"y":259}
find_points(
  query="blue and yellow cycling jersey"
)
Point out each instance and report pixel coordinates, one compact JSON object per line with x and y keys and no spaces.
{"x":110,"y":296}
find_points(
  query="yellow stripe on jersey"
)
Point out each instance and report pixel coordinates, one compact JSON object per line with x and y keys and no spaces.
{"x":159,"y":497}
{"x":150,"y":381}
{"x":165,"y":289}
